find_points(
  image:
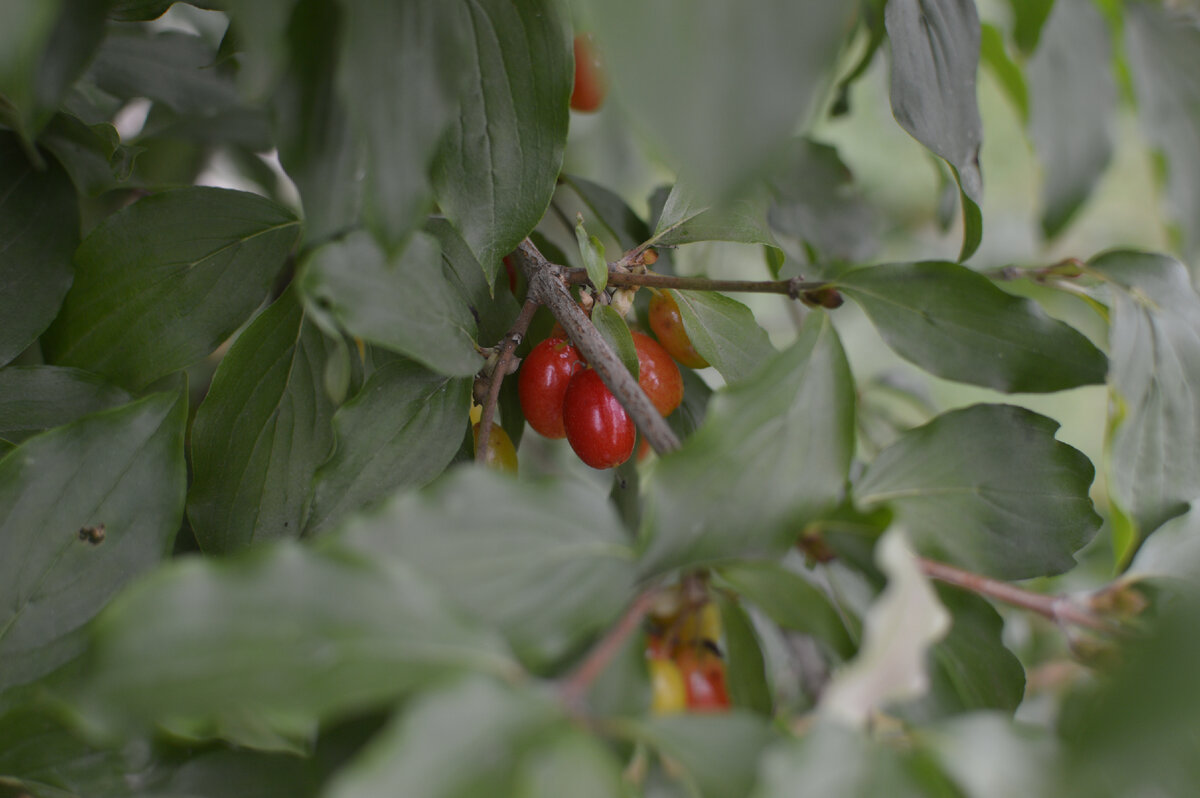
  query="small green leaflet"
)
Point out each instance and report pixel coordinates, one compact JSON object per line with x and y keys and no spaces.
{"x":592,"y":252}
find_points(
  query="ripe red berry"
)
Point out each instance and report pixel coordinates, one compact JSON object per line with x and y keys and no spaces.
{"x":598,"y":428}
{"x":590,"y":83}
{"x":668,"y":326}
{"x":542,"y":384}
{"x":704,"y":679}
{"x":658,"y":375}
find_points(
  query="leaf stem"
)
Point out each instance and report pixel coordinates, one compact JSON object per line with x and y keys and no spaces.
{"x":1060,"y":609}
{"x":507,"y":347}
{"x":795,"y":287}
{"x":573,"y":687}
{"x":548,"y":286}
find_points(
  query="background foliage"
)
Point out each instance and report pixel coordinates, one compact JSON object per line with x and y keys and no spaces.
{"x":251,"y":263}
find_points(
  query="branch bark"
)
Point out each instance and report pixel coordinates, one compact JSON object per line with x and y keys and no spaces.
{"x":794,"y":287}
{"x":548,"y":287}
{"x":511,"y":341}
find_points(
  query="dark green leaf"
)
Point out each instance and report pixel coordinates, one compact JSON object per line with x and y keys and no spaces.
{"x":403,"y":303}
{"x":746,"y":674}
{"x":688,"y":92}
{"x":462,"y":740}
{"x":261,"y":28}
{"x":312,"y":129}
{"x":721,"y":496}
{"x":39,"y":229}
{"x":955,"y":323}
{"x":494,"y":313}
{"x":1074,"y":97}
{"x":401,"y":430}
{"x":686,"y":218}
{"x":935,"y":54}
{"x":314,"y":634}
{"x":1163,"y":47}
{"x":162,"y":283}
{"x":969,"y":669}
{"x":724,"y":332}
{"x":1172,"y":551}
{"x":120,"y":469}
{"x":718,"y":753}
{"x":1155,"y":343}
{"x":816,"y":201}
{"x":988,"y":488}
{"x":243,"y":774}
{"x":1029,"y":16}
{"x":171,"y":67}
{"x":260,"y":434}
{"x":36,"y":398}
{"x":625,"y":225}
{"x":615,"y":331}
{"x":497,"y":167}
{"x":688,"y":417}
{"x":994,"y":55}
{"x":833,"y":761}
{"x":137,"y":10}
{"x":791,"y":601}
{"x":25,"y":30}
{"x":92,"y":155}
{"x":399,"y":73}
{"x":547,"y":563}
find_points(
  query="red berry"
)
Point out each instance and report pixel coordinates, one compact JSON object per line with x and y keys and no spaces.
{"x":658,"y":375}
{"x":590,"y":83}
{"x":542,"y":384}
{"x":598,"y":428}
{"x":668,"y":326}
{"x":704,"y":678}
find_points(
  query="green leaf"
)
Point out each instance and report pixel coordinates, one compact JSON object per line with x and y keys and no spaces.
{"x":686,"y":218}
{"x":170,"y":67}
{"x":721,"y":494}
{"x":92,"y":155}
{"x":261,"y":29}
{"x":244,"y":774}
{"x":311,"y":126}
{"x":572,"y":762}
{"x":688,"y":94}
{"x":992,"y":756}
{"x":817,"y":202}
{"x":39,"y":229}
{"x":1154,"y":338}
{"x":261,"y":432}
{"x":497,"y":167}
{"x":26,"y":27}
{"x":496,"y":313}
{"x":718,"y":754}
{"x":994,"y":55}
{"x":746,"y":672}
{"x":163,"y":282}
{"x":399,"y":71}
{"x":401,"y":430}
{"x":935,"y":54}
{"x":461,"y":740}
{"x":970,"y":669}
{"x":1172,"y":551}
{"x":36,"y":398}
{"x":608,"y":207}
{"x":1163,"y":48}
{"x":724,"y":332}
{"x":955,"y":323}
{"x":615,"y":331}
{"x":987,"y":488}
{"x":833,"y":761}
{"x":592,"y":252}
{"x":404,"y":303}
{"x":315,"y":634}
{"x":1029,"y":17}
{"x":1074,"y":96}
{"x":547,"y":563}
{"x":120,"y":468}
{"x":791,"y":601}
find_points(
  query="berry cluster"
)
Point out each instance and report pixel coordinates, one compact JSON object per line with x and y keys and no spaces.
{"x":687,"y":671}
{"x":563,"y":398}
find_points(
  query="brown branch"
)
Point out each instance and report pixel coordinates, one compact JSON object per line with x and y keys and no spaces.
{"x":1059,"y":609}
{"x":507,"y":347}
{"x":794,"y":287}
{"x":547,"y":286}
{"x":573,"y":687}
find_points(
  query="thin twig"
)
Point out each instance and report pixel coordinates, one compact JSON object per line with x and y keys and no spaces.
{"x":546,"y":285}
{"x":574,"y":686}
{"x":507,"y":347}
{"x":1059,"y":609}
{"x":794,"y":287}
